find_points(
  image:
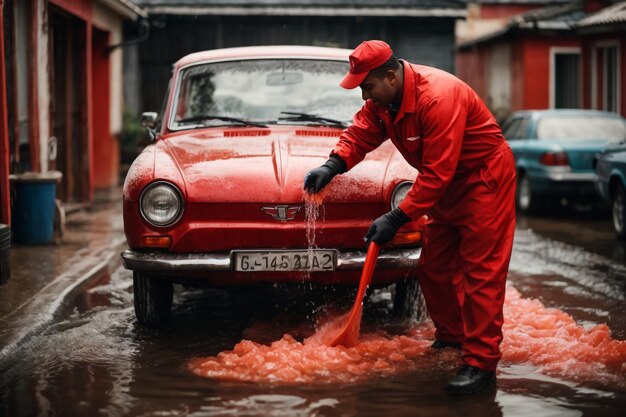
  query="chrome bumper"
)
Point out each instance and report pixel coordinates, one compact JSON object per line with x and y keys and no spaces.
{"x":211,"y":262}
{"x":572,"y":176}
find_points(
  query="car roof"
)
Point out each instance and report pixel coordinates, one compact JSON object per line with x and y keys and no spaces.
{"x":257,"y":52}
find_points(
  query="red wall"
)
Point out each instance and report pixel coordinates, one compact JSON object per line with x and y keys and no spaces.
{"x":536,"y":61}
{"x":495,"y":11}
{"x":517,"y":76}
{"x":530,"y":66}
{"x":589,"y":42}
{"x":471,"y":69}
{"x":105,"y":147}
{"x":586,"y":74}
{"x":536,"y":67}
{"x":33,"y":96}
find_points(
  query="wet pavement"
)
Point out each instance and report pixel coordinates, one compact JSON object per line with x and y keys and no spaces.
{"x":98,"y":361}
{"x":44,"y":276}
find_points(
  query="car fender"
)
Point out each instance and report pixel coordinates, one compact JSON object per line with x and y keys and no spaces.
{"x":154,"y":163}
{"x":531,"y":156}
{"x":140,"y":174}
{"x":398,"y":171}
{"x":615,"y":175}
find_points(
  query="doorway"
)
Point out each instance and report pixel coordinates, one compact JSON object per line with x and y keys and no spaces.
{"x":68,"y":103}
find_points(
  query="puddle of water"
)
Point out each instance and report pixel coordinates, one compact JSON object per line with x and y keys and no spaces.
{"x":99,"y":362}
{"x":270,"y":405}
{"x":590,"y":287}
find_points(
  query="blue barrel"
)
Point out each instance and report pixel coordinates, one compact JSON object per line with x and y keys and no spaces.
{"x":32,"y":211}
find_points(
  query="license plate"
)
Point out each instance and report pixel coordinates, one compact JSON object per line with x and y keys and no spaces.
{"x":288,"y":260}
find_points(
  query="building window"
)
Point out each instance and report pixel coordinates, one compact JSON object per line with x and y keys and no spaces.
{"x":565,"y":78}
{"x":609,"y":77}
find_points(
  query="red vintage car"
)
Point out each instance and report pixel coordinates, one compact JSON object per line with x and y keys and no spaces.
{"x":218,"y":198}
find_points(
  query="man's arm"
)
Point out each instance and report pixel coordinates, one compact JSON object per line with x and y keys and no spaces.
{"x":444,"y":120}
{"x":364,"y":135}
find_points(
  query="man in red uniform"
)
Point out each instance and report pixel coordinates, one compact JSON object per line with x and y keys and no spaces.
{"x":466,"y":186}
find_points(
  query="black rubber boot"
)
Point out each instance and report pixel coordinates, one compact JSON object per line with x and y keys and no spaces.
{"x":470,"y":379}
{"x":440,"y":344}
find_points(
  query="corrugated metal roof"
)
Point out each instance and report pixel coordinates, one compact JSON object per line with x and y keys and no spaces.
{"x":560,"y":17}
{"x":611,"y":15}
{"x":126,"y":8}
{"x":571,"y":12}
{"x":457,"y":4}
{"x":390,"y":8}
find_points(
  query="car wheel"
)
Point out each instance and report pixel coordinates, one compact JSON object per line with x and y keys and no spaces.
{"x":407,"y":300}
{"x":5,"y":253}
{"x":524,"y":196}
{"x":618,"y":211}
{"x":153,"y":299}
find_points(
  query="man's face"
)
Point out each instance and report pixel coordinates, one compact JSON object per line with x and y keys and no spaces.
{"x":380,"y":90}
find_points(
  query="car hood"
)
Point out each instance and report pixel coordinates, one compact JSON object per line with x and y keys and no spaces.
{"x":268,"y":166}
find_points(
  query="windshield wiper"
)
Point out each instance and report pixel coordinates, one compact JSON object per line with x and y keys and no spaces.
{"x":206,"y":118}
{"x":305,"y":117}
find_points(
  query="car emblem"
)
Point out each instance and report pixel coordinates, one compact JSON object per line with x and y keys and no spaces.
{"x":282,"y":212}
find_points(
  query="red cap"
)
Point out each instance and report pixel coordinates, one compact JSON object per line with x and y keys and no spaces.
{"x":367,"y":56}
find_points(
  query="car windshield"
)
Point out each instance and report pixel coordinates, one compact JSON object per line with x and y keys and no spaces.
{"x":264,"y":91}
{"x":582,"y":128}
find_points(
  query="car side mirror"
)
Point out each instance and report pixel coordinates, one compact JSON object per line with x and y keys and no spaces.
{"x":148,"y":120}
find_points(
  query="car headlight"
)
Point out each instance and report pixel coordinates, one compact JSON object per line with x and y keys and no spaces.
{"x":399,"y":193}
{"x":161,"y":204}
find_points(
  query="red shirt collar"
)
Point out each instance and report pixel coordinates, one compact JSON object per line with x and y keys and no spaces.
{"x":408,"y":92}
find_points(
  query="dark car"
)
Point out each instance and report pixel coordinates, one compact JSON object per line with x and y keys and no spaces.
{"x":611,"y":184}
{"x":554,"y":151}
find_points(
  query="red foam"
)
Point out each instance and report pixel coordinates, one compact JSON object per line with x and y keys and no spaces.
{"x":546,"y":338}
{"x":288,"y":361}
{"x":551,"y":340}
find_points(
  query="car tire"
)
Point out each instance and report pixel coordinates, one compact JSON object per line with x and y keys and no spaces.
{"x":525,"y":198}
{"x":152,"y":298}
{"x":618,"y":211}
{"x":5,"y":253}
{"x":407,"y":300}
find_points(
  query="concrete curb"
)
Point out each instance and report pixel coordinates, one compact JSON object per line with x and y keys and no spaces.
{"x":45,"y":308}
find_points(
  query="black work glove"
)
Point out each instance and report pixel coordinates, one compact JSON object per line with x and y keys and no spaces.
{"x":384,"y":228}
{"x":319,"y":177}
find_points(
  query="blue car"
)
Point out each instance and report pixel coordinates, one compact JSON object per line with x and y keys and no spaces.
{"x":611,"y":184}
{"x":554,"y":152}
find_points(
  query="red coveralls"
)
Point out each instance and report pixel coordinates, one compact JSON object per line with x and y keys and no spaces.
{"x":466,"y":185}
